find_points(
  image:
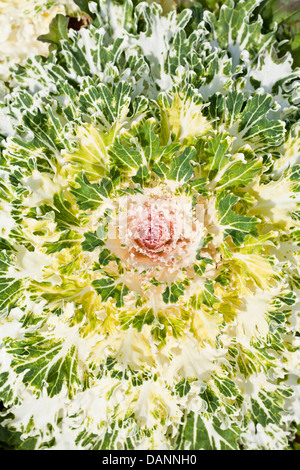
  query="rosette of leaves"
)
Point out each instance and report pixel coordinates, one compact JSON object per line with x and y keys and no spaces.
{"x":149,"y":236}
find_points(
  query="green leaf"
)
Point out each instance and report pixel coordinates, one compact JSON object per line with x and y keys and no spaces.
{"x":142,"y":176}
{"x":95,"y":442}
{"x":148,"y":139}
{"x":92,"y":241}
{"x":110,"y":288}
{"x":6,"y":391}
{"x":84,"y":6}
{"x":173,"y":322}
{"x":63,"y":210}
{"x":239,"y":173}
{"x":236,"y":226}
{"x":89,"y":154}
{"x":58,"y":30}
{"x":198,"y":185}
{"x":234,"y":29}
{"x":234,"y":105}
{"x":11,"y":439}
{"x":6,"y":245}
{"x":125,"y":157}
{"x":211,"y":399}
{"x":10,"y":288}
{"x":247,"y":122}
{"x":161,"y":170}
{"x":173,"y":292}
{"x":67,"y":239}
{"x":108,"y":106}
{"x":198,"y":432}
{"x":90,"y":195}
{"x":217,"y":153}
{"x":254,"y":125}
{"x":138,"y":320}
{"x":267,"y":408}
{"x":208,"y":296}
{"x":181,"y":169}
{"x":105,"y":257}
{"x":201,"y":266}
{"x":183,"y":387}
{"x":226,"y":386}
{"x":45,"y":362}
{"x":247,"y":362}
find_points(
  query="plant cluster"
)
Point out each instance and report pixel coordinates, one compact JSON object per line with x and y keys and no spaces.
{"x":149,"y":234}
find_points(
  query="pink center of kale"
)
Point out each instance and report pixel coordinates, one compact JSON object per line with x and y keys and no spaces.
{"x":154,"y":232}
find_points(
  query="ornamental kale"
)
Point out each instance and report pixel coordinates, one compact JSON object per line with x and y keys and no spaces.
{"x":149,"y":232}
